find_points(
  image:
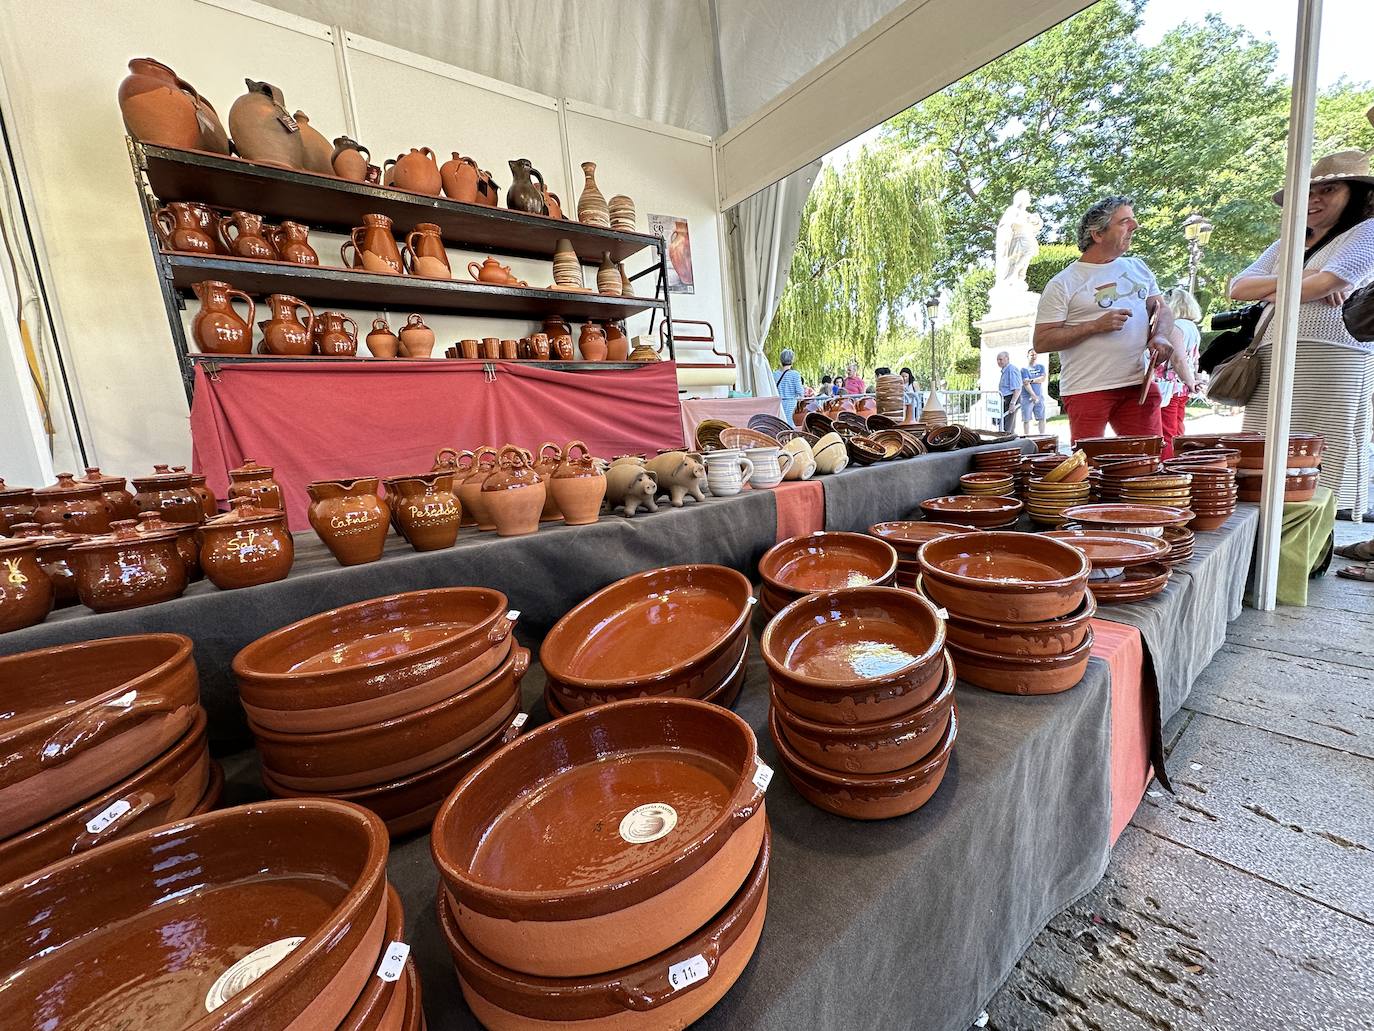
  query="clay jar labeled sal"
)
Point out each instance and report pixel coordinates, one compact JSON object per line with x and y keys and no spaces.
{"x":350,"y":518}
{"x":459,"y":178}
{"x":284,"y":333}
{"x":381,"y":341}
{"x":578,"y":486}
{"x":127,"y":569}
{"x":424,"y":254}
{"x":26,"y":591}
{"x":427,"y":510}
{"x":417,"y":339}
{"x":119,"y":500}
{"x":80,"y":507}
{"x":254,"y":482}
{"x":246,"y":546}
{"x":374,"y":248}
{"x":470,"y":489}
{"x":170,"y":494}
{"x":217,"y":327}
{"x":514,"y":493}
{"x":416,"y":171}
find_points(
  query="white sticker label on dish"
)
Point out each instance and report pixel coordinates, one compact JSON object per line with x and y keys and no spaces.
{"x":519,"y":720}
{"x":98,"y":823}
{"x":942,"y":613}
{"x":648,"y":822}
{"x":689,"y":971}
{"x":393,"y":961}
{"x":513,"y":615}
{"x":763,"y":775}
{"x":247,"y":970}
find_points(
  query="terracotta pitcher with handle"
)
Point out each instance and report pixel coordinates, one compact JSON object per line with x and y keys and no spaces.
{"x":417,"y":172}
{"x":284,"y":333}
{"x":292,"y":240}
{"x":424,"y":254}
{"x":374,"y":248}
{"x":242,"y":234}
{"x":217,"y":327}
{"x":180,"y":228}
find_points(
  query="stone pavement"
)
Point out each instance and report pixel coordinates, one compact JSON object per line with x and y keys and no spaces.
{"x":1246,"y":900}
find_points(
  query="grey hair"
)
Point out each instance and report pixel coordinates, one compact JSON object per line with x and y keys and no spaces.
{"x":1099,"y":217}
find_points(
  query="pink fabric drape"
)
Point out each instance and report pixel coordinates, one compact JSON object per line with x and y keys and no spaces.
{"x":1121,"y":647}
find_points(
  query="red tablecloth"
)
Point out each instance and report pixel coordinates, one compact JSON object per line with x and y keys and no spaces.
{"x":734,"y":410}
{"x":312,"y":422}
{"x":801,"y":507}
{"x":1121,"y":647}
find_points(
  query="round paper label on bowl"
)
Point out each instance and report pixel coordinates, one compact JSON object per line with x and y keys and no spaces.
{"x":648,"y":822}
{"x":247,"y":970}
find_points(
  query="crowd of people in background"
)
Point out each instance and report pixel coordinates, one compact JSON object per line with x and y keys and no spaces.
{"x":791,"y":387}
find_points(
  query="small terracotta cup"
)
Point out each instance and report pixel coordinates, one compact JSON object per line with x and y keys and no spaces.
{"x":491,"y":348}
{"x":469,"y":348}
{"x":510,"y":350}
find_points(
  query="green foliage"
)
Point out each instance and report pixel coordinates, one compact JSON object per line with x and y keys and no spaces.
{"x":1052,"y":260}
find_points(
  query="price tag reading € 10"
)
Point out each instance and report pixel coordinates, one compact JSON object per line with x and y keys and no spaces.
{"x":689,"y":971}
{"x":393,"y":961}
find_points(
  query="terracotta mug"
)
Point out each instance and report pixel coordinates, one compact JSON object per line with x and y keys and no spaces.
{"x":491,"y":348}
{"x":539,"y":347}
{"x":510,"y":350}
{"x":468,"y":348}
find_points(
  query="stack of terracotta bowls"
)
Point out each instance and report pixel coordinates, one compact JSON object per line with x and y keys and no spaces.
{"x":988,"y":484}
{"x":386,"y":703}
{"x":906,"y":538}
{"x":981,"y":513}
{"x":98,"y":740}
{"x":1172,"y":489}
{"x":266,"y":916}
{"x":1126,"y":566}
{"x":822,"y":561}
{"x":680,"y":630}
{"x":862,"y":711}
{"x":608,"y":870}
{"x":1147,"y":519}
{"x":1045,"y":443}
{"x":1180,"y":540}
{"x":1047,"y":499}
{"x":1095,"y":447}
{"x":997,"y":460}
{"x":1303,"y":463}
{"x":1109,"y":472}
{"x":1213,"y":492}
{"x":1019,"y":609}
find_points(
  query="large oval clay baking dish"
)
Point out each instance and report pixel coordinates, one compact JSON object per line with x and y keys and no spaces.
{"x":1004,"y":577}
{"x":826,"y":561}
{"x":138,"y":932}
{"x":382,"y":1004}
{"x":867,"y":796}
{"x":342,"y":759}
{"x":1122,"y":516}
{"x":981,"y":512}
{"x":1023,"y":674}
{"x":634,"y":998}
{"x":372,"y":649}
{"x":1113,"y":549}
{"x":602,"y":838}
{"x":648,"y":630}
{"x":858,"y":655}
{"x":79,"y":717}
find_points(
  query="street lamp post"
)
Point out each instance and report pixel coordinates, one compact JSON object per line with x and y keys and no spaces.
{"x":932,"y":309}
{"x":1197,"y":230}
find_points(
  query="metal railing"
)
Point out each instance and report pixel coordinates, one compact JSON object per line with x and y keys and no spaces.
{"x":976,"y":409}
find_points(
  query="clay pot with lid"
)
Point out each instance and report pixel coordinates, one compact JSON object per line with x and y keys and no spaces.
{"x":426,"y":510}
{"x":514,"y":494}
{"x":238,"y":880}
{"x":416,"y":171}
{"x":217,"y":327}
{"x":78,"y":505}
{"x":683,"y":828}
{"x":246,"y":546}
{"x":381,"y":342}
{"x":1004,"y":577}
{"x":470,"y":488}
{"x":374,"y":247}
{"x":188,"y":540}
{"x":254,"y":481}
{"x":578,"y":486}
{"x":170,"y":494}
{"x":263,"y":130}
{"x":26,"y":591}
{"x":284,"y":333}
{"x":208,"y":505}
{"x":126,"y":569}
{"x":53,"y":541}
{"x":458,"y":176}
{"x":350,"y":518}
{"x":117,"y":497}
{"x":16,"y":504}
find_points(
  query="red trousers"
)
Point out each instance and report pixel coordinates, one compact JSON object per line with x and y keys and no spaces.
{"x":1172,"y":417}
{"x":1090,"y":414}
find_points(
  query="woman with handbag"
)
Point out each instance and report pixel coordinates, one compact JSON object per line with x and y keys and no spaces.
{"x":1334,"y":374}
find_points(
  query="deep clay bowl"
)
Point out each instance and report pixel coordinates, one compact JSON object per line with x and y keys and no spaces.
{"x":867,"y":796}
{"x":1022,"y":674}
{"x":648,"y":630}
{"x":856,"y":655}
{"x":80,"y":717}
{"x":1004,"y":577}
{"x":603,"y":838}
{"x":136,"y":933}
{"x":371,"y":649}
{"x":1052,"y":637}
{"x":972,"y":510}
{"x":907,"y":535}
{"x":630,"y":997}
{"x":826,"y":561}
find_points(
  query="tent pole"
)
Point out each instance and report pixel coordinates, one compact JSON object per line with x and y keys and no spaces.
{"x":1283,"y":352}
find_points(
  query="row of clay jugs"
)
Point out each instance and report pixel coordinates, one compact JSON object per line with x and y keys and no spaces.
{"x":53,"y":542}
{"x":26,"y":591}
{"x":426,"y":511}
{"x":170,"y":494}
{"x":578,"y":486}
{"x":351,"y":160}
{"x":334,"y":334}
{"x":188,"y":542}
{"x":416,"y":171}
{"x":374,"y":248}
{"x":423,"y":253}
{"x":217,"y":327}
{"x":546,"y":462}
{"x":126,"y":569}
{"x":284,"y":333}
{"x":117,"y":496}
{"x":247,"y":546}
{"x":161,"y":108}
{"x":81,"y":507}
{"x":255,"y":483}
{"x":474,"y":504}
{"x":350,"y":518}
{"x":514,"y":493}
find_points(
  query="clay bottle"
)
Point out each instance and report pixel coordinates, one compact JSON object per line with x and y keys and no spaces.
{"x":263,"y":131}
{"x":417,"y":339}
{"x":607,"y":277}
{"x":523,"y":194}
{"x":154,"y":107}
{"x":459,"y":178}
{"x":217,"y":327}
{"x":318,"y":153}
{"x":592,"y":209}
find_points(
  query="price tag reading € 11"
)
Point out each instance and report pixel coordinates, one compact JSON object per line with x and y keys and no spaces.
{"x":763,"y":775}
{"x":689,"y":971}
{"x":393,"y":961}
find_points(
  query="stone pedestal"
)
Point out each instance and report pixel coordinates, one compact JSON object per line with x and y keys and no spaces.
{"x":1003,"y":332}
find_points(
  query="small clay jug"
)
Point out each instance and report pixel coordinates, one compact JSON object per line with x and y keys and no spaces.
{"x":459,"y":178}
{"x":53,"y":542}
{"x":246,"y":546}
{"x":492,"y":271}
{"x":424,"y":253}
{"x":80,"y":507}
{"x":255,"y":482}
{"x":125,"y":569}
{"x":243,"y":236}
{"x":514,"y":493}
{"x":350,"y":159}
{"x":592,"y":342}
{"x":547,"y":460}
{"x":427,"y":511}
{"x":292,"y":241}
{"x":283,"y":333}
{"x":170,"y":494}
{"x":381,"y":341}
{"x":117,"y":497}
{"x":26,"y":591}
{"x":217,"y":327}
{"x":470,"y":489}
{"x":592,"y":208}
{"x":487,"y":190}
{"x":578,"y":485}
{"x":319,"y":155}
{"x":188,"y":541}
{"x":374,"y":248}
{"x":527,"y":187}
{"x":417,"y":172}
{"x":155,"y":109}
{"x":539,"y":347}
{"x":617,"y":343}
{"x":335,"y":334}
{"x":417,"y":339}
{"x":180,"y":228}
{"x":263,"y":131}
{"x":607,"y":276}
{"x":350,"y":518}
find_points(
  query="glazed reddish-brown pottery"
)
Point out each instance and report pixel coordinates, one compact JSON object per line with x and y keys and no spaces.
{"x":1052,"y":637}
{"x":859,"y":796}
{"x":558,"y":703}
{"x":826,"y":561}
{"x":80,"y":717}
{"x":112,"y":925}
{"x":255,"y":482}
{"x":880,"y":747}
{"x":188,"y":540}
{"x":16,"y":504}
{"x":474,"y":506}
{"x":971,"y":510}
{"x":247,"y":546}
{"x":856,"y":655}
{"x":26,"y":591}
{"x":53,"y":543}
{"x":373,"y":650}
{"x":126,"y":569}
{"x":907,"y":535}
{"x":117,"y":497}
{"x":170,"y":494}
{"x":603,"y":838}
{"x":1004,"y":577}
{"x":632,"y":997}
{"x":382,"y":1004}
{"x":1022,"y":674}
{"x":1135,"y":584}
{"x":80,"y":507}
{"x":350,"y":518}
{"x":578,"y":486}
{"x":514,"y":494}
{"x":1094,"y":446}
{"x":1111,"y":549}
{"x":1127,"y":517}
{"x":426,"y":510}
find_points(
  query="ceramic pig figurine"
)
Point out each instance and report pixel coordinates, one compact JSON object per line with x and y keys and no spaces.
{"x":679,"y":473}
{"x":630,"y":486}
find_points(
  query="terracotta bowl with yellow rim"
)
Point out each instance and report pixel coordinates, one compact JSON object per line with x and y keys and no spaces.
{"x":1004,"y":577}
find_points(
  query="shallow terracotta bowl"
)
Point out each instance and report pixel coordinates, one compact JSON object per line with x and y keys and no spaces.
{"x":972,"y":510}
{"x":1004,"y":577}
{"x":1022,"y":674}
{"x":826,"y":561}
{"x":907,"y":535}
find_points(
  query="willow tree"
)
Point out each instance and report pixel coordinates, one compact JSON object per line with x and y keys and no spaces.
{"x":870,"y":231}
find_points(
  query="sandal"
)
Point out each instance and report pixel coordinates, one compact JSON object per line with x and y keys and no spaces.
{"x":1362,"y":551}
{"x":1365,"y":573}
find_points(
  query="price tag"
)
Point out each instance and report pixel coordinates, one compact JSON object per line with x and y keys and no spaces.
{"x":513,"y":615}
{"x":689,"y":971}
{"x":393,"y":961}
{"x":763,"y":775}
{"x":109,"y":816}
{"x":519,"y":721}
{"x":942,"y":613}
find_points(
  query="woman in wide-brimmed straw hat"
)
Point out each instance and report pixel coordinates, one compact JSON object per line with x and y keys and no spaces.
{"x":1334,"y":378}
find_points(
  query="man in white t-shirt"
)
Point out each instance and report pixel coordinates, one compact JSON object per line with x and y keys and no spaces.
{"x":1106,"y":318}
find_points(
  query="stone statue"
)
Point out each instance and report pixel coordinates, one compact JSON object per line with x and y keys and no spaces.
{"x":1017,"y":243}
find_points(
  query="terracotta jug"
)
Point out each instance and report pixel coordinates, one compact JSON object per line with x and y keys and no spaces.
{"x":117,"y":497}
{"x":607,"y":278}
{"x":255,"y":482}
{"x":514,"y":493}
{"x":179,"y":228}
{"x":247,"y":546}
{"x":335,"y":334}
{"x":374,"y":248}
{"x":319,"y":155}
{"x":263,"y":131}
{"x":350,"y":159}
{"x":470,"y":489}
{"x":424,"y":254}
{"x":350,"y":518}
{"x":161,"y":108}
{"x":487,"y":190}
{"x":546,"y":462}
{"x":417,"y":339}
{"x":592,"y":209}
{"x":80,"y":507}
{"x":459,"y":178}
{"x":126,"y":569}
{"x":217,"y":327}
{"x":242,"y":235}
{"x":292,"y":241}
{"x":417,"y":172}
{"x":524,"y":194}
{"x":592,"y":342}
{"x":170,"y":494}
{"x":26,"y":592}
{"x":427,"y":511}
{"x":617,"y":343}
{"x":381,"y":341}
{"x":208,"y":221}
{"x":539,"y":347}
{"x":283,"y":333}
{"x":578,"y":486}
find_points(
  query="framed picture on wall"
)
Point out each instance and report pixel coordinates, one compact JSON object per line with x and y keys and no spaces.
{"x":675,"y":233}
